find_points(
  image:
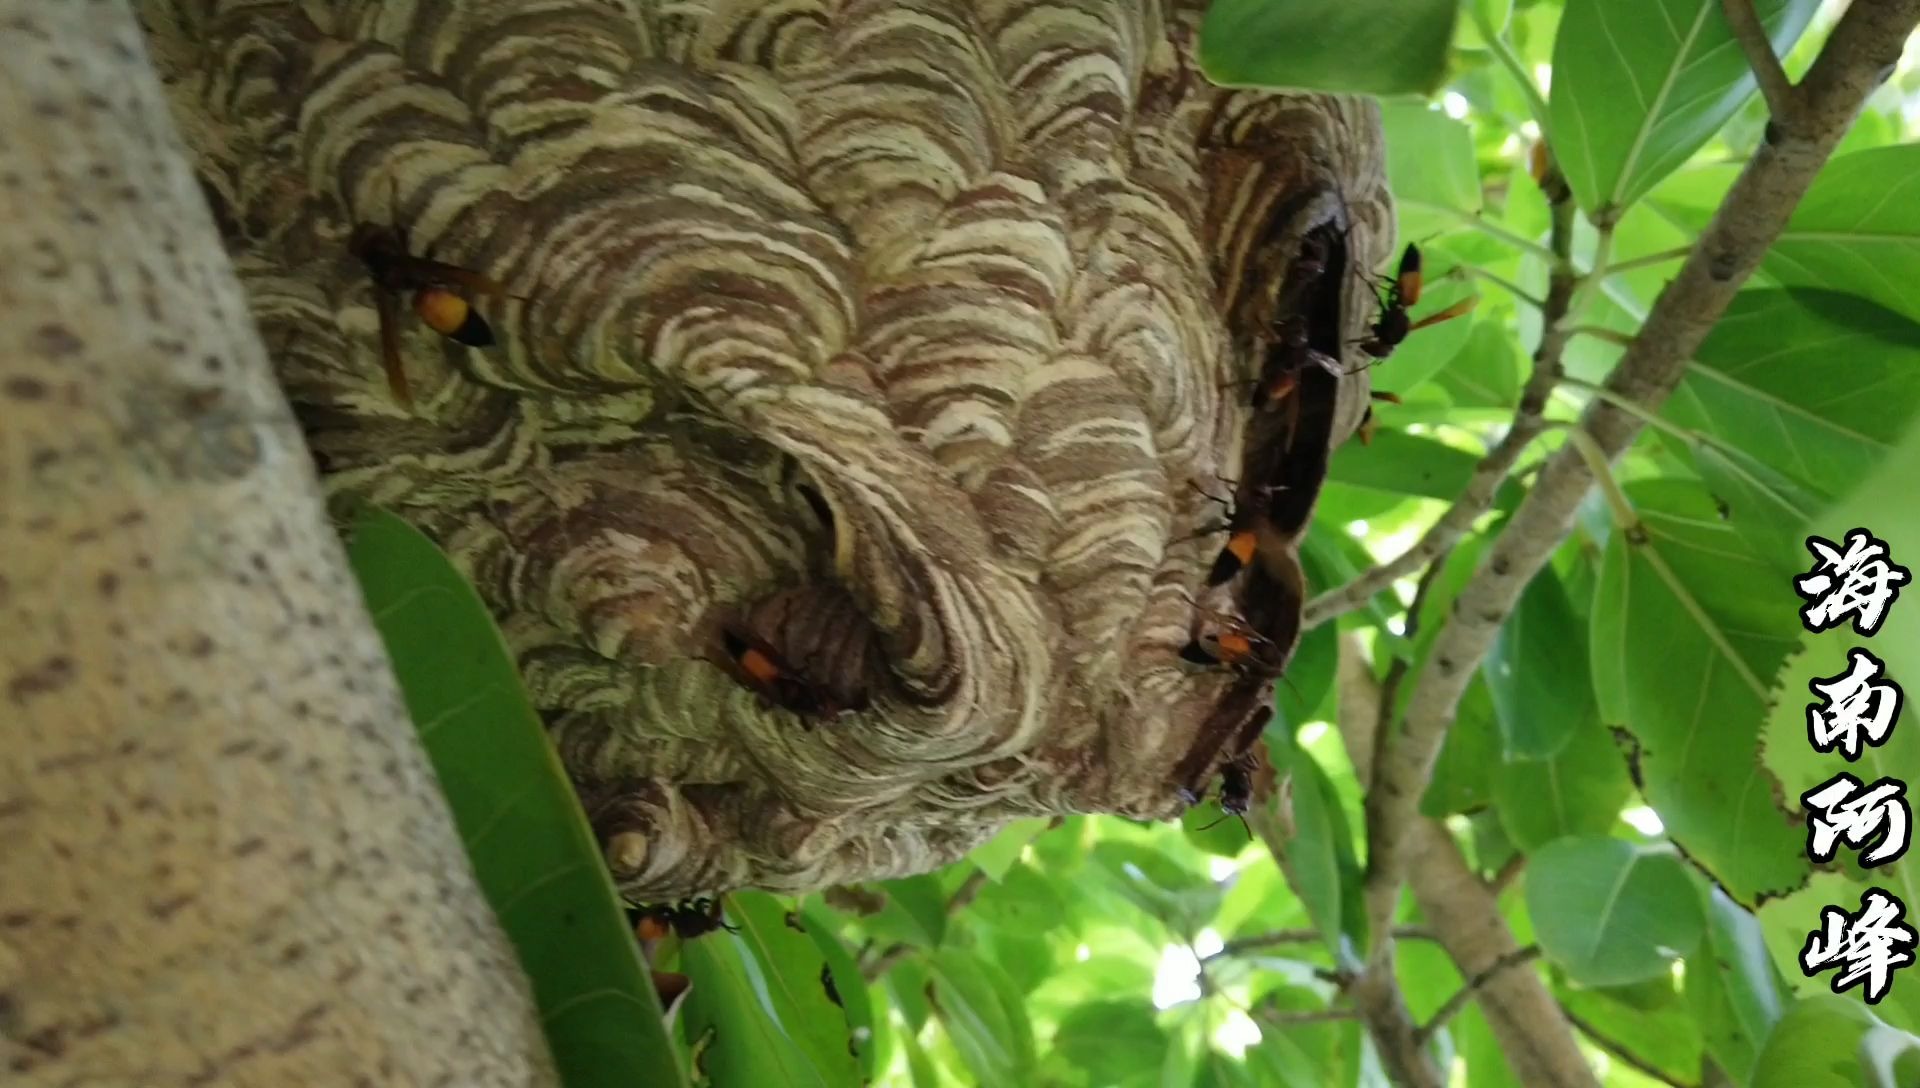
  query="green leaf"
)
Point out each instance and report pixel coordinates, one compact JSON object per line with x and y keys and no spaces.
{"x":1430,"y":168}
{"x":1301,"y":695}
{"x":1537,"y":672}
{"x":1487,"y":372}
{"x":1324,"y":863}
{"x":1649,"y":1019}
{"x":1404,"y":463}
{"x":1377,"y":47}
{"x":1611,"y":913}
{"x":789,"y":963}
{"x":1463,"y":773}
{"x":868,"y":1031}
{"x":732,"y":997}
{"x":1889,"y":1057}
{"x":1114,"y":1040}
{"x":1857,"y":230}
{"x":1164,"y":888}
{"x":536,"y":859}
{"x":1731,"y":986}
{"x":916,"y":911}
{"x":1640,"y":85}
{"x":984,"y":1016}
{"x":1689,"y":628}
{"x":1815,"y":1045}
{"x":999,"y":853}
{"x":1788,"y":920}
{"x":1578,"y":790}
{"x":1816,"y":385}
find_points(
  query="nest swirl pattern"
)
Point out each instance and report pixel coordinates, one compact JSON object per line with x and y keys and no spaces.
{"x":911,"y":317}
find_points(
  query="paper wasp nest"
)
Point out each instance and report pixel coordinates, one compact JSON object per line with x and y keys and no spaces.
{"x":914,"y":315}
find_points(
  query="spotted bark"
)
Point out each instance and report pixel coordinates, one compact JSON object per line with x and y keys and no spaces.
{"x":898,"y":331}
{"x":223,"y":857}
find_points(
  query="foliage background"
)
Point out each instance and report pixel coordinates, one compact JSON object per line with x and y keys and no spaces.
{"x":1628,"y":749}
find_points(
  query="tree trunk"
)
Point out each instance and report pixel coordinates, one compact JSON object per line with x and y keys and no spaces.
{"x":223,"y":858}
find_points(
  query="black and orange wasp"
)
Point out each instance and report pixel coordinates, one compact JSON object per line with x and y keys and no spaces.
{"x":1393,"y":325}
{"x":443,"y":297}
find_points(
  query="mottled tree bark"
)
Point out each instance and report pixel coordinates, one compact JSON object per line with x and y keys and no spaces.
{"x":972,"y":274}
{"x":223,"y":858}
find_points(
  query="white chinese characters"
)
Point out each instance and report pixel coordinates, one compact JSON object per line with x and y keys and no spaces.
{"x":1854,"y":709}
{"x":1870,"y":945}
{"x":1861,"y":581}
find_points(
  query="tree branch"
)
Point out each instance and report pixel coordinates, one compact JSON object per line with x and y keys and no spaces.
{"x":1775,"y":87}
{"x":1464,"y":913}
{"x":1860,"y":52}
{"x":1472,"y":986}
{"x":1303,"y":936}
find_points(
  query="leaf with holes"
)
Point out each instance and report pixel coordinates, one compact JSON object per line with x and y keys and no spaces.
{"x":535,"y":857}
{"x":1611,"y":913}
{"x":1689,"y":628}
{"x":790,"y":963}
{"x":732,"y":998}
{"x":1379,"y":47}
{"x":1640,"y":85}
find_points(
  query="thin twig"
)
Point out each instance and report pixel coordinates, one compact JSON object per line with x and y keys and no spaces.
{"x":1301,"y":936}
{"x":1648,"y":260}
{"x":1508,"y":873}
{"x":1480,"y":978}
{"x":1315,"y":1016}
{"x":1862,"y":48}
{"x":1502,"y":282}
{"x":1620,"y":1050}
{"x":1601,"y":332}
{"x":1775,"y":87}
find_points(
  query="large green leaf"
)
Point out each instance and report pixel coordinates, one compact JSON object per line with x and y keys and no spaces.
{"x":1732,"y":988}
{"x":1115,"y":1040}
{"x":536,"y":858}
{"x":1404,"y":463}
{"x":1640,"y":85}
{"x":1430,"y":167}
{"x":1160,"y":885}
{"x":1379,"y":47}
{"x":868,"y":1031}
{"x":1689,"y":629}
{"x":1816,"y":385}
{"x":1537,"y":672}
{"x":984,"y":1016}
{"x":1817,"y":1045}
{"x":1611,"y":913}
{"x":1578,"y":790}
{"x":1324,"y":866}
{"x":1649,"y":1019}
{"x":997,"y":854}
{"x":790,"y":963}
{"x":1874,"y":504}
{"x":1858,"y":230}
{"x":916,"y":911}
{"x":1463,"y":773}
{"x":733,"y":999}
